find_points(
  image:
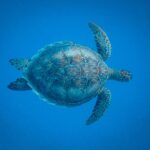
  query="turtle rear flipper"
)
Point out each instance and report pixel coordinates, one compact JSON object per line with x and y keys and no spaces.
{"x":19,"y":85}
{"x":19,"y":64}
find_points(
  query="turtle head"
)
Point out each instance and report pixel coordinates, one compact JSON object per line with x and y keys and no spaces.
{"x":125,"y":75}
{"x":121,"y":75}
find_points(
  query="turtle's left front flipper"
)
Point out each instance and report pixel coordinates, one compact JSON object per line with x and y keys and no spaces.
{"x":19,"y":85}
{"x":102,"y":103}
{"x":102,"y":41}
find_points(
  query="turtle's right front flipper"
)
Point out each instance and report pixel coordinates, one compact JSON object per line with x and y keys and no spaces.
{"x":19,"y":85}
{"x":102,"y":103}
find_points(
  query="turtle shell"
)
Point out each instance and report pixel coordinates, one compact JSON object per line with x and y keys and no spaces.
{"x":66,"y":73}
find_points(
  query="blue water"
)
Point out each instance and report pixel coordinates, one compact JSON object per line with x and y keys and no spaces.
{"x":28,"y":123}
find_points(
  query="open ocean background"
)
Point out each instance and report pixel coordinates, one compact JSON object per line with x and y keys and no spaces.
{"x":28,"y":123}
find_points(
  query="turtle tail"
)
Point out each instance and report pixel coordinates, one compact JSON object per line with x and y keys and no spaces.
{"x":19,"y":64}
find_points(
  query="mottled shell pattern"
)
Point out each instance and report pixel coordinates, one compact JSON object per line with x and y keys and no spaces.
{"x":66,"y":73}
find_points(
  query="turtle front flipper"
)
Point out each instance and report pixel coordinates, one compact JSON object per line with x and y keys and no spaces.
{"x":102,"y":41}
{"x":102,"y":103}
{"x":19,"y":85}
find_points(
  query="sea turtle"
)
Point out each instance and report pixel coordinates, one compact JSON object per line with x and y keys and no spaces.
{"x":69,"y":74}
